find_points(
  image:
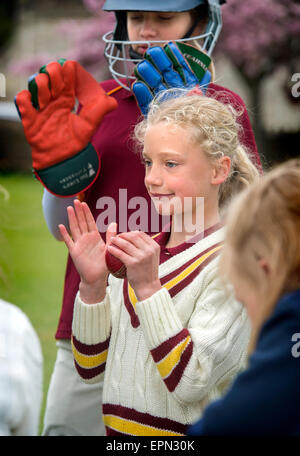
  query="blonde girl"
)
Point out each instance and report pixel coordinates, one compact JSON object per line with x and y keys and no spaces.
{"x":169,"y":338}
{"x":261,"y":258}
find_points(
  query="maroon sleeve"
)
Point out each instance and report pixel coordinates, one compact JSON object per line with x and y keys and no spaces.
{"x":247,"y":136}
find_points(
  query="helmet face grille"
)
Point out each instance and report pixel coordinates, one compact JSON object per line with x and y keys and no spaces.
{"x":121,"y":63}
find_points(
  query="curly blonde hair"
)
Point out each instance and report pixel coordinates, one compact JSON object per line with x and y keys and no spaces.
{"x":213,"y":125}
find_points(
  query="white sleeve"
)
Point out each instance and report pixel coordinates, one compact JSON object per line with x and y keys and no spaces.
{"x":21,"y":373}
{"x":55,"y":212}
{"x":91,"y":328}
{"x":31,"y":389}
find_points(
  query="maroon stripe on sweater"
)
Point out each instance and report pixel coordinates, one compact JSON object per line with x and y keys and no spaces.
{"x":188,"y":279}
{"x":175,"y":376}
{"x":144,"y":418}
{"x":89,"y":373}
{"x":175,"y":273}
{"x":135,"y":322}
{"x":93,"y":349}
{"x":164,"y":349}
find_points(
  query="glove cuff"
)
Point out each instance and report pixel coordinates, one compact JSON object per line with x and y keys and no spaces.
{"x":71,"y":176}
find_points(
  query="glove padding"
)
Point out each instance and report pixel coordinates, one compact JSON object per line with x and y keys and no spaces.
{"x":63,"y":158}
{"x":176,"y":65}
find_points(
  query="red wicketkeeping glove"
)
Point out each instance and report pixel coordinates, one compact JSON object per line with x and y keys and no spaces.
{"x":63,"y":158}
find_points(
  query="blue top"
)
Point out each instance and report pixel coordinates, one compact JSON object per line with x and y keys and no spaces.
{"x":265,"y":398}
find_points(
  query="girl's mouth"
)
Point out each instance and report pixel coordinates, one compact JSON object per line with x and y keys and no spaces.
{"x":142,"y":49}
{"x":161,"y":195}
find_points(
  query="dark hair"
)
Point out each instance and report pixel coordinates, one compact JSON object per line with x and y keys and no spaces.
{"x":201,"y":11}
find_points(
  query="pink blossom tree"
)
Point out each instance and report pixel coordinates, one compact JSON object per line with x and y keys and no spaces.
{"x":259,"y":37}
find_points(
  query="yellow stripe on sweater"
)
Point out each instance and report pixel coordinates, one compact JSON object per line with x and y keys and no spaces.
{"x":134,"y":428}
{"x":190,"y":268}
{"x":89,"y":361}
{"x":179,"y":277}
{"x":166,"y":365}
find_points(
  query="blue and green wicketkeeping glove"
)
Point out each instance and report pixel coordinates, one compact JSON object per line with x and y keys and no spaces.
{"x":176,"y":65}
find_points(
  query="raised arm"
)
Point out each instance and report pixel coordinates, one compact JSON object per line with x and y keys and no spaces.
{"x":92,"y":305}
{"x":63,"y":158}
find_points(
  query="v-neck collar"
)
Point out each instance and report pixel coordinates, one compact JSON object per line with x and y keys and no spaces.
{"x":163,"y":237}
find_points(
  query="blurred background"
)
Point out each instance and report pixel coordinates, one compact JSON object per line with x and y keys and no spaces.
{"x":257,"y":56}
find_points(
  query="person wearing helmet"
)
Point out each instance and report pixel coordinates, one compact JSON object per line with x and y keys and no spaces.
{"x":139,"y":24}
{"x":194,"y":21}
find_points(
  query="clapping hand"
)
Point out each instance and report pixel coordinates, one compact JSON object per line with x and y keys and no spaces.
{"x":87,"y":250}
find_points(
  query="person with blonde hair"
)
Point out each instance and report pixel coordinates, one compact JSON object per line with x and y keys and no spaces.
{"x":168,"y":339}
{"x":261,"y":258}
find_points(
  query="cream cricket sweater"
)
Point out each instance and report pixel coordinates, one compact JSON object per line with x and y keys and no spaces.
{"x":163,"y":359}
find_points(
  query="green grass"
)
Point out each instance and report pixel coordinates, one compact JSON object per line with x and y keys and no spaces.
{"x":33,"y":263}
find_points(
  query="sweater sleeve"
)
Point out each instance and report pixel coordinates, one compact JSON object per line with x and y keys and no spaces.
{"x":91,"y":328}
{"x":193,"y":360}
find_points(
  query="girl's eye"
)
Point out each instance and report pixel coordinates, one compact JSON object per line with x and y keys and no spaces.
{"x":134,"y":16}
{"x":171,"y":164}
{"x":166,"y":18}
{"x":146,"y":162}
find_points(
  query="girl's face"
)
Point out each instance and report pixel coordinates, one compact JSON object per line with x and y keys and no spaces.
{"x":176,"y":168}
{"x":156,"y":26}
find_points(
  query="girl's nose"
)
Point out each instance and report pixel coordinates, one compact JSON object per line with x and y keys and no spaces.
{"x":153,"y":177}
{"x":148,"y":29}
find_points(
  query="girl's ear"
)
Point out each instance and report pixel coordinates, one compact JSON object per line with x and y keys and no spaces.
{"x":264,"y":266}
{"x":221,"y":170}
